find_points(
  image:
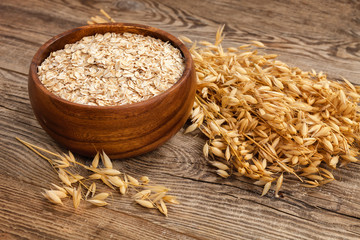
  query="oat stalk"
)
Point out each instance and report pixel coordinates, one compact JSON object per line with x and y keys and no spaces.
{"x":108,"y":175}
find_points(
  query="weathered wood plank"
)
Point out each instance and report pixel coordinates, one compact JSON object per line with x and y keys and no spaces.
{"x":24,"y":215}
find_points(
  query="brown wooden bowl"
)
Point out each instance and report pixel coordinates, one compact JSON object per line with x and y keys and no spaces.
{"x":121,"y":131}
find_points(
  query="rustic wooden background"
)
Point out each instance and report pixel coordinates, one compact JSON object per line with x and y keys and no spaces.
{"x":323,"y":35}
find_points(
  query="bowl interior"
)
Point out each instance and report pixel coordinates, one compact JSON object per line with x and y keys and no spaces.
{"x":58,"y":42}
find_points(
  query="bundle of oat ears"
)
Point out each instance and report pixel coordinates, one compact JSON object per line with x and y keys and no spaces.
{"x":264,"y":119}
{"x":72,"y":183}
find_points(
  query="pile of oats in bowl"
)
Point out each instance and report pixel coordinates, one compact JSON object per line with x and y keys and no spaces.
{"x":112,"y":69}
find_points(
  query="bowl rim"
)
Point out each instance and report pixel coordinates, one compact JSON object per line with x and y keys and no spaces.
{"x":36,"y":61}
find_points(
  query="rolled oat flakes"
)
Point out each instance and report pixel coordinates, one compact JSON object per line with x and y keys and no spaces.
{"x":112,"y":69}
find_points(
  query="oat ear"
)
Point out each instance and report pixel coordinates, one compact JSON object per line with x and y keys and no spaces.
{"x":77,"y":196}
{"x":52,"y":197}
{"x":162,"y":207}
{"x":133,"y":180}
{"x":106,"y":160}
{"x":267,"y":187}
{"x":144,"y":203}
{"x":64,"y":177}
{"x":95,"y":161}
{"x":143,"y":194}
{"x":100,"y":196}
{"x":109,"y":176}
{"x":71,"y":157}
{"x":279,"y":184}
{"x":99,"y":203}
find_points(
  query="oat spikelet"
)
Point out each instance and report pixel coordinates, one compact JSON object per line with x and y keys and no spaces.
{"x":158,"y":188}
{"x":59,"y":188}
{"x":76,"y":196}
{"x":220,"y":165}
{"x":162,"y":207}
{"x":100,"y":196}
{"x":278,"y":185}
{"x":99,"y":203}
{"x":227,"y":153}
{"x":52,"y":197}
{"x":69,"y":190}
{"x":106,"y":160}
{"x":105,"y":180}
{"x":64,"y":177}
{"x":351,"y":86}
{"x":217,"y":152}
{"x":116,"y":181}
{"x":95,"y":161}
{"x":267,"y":187}
{"x":222,"y":173}
{"x":145,"y":179}
{"x":326,"y":173}
{"x":108,"y":171}
{"x":206,"y":150}
{"x":219,"y":35}
{"x":185,"y":39}
{"x":133,"y":180}
{"x":143,"y":194}
{"x":95,"y":176}
{"x":59,"y":193}
{"x":71,"y":157}
{"x":75,"y":178}
{"x":171,"y":199}
{"x":191,"y":128}
{"x":63,"y":163}
{"x":123,"y":189}
{"x":158,"y":197}
{"x":258,"y":44}
{"x":144,"y":203}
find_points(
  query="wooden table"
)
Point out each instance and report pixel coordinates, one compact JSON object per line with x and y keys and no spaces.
{"x":323,"y":35}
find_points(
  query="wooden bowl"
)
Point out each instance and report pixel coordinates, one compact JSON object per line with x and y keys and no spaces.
{"x":121,"y":131}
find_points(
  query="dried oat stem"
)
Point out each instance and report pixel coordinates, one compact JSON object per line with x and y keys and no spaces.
{"x":107,"y":15}
{"x":37,"y":147}
{"x":51,"y":162}
{"x":275,"y":158}
{"x":32,"y":148}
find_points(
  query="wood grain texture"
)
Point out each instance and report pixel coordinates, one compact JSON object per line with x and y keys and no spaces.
{"x":324,"y":35}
